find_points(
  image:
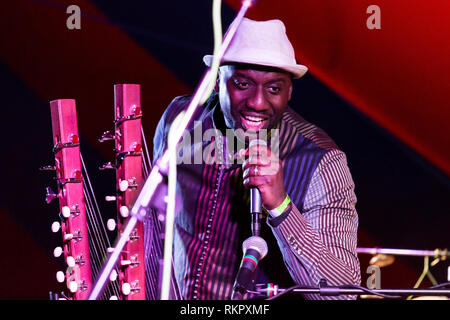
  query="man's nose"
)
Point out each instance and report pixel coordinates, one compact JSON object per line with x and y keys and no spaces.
{"x":257,"y":100}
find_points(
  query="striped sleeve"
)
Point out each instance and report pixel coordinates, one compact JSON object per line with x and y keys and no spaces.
{"x":319,"y":242}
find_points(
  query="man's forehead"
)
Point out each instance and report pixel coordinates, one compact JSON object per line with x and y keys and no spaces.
{"x":247,"y":69}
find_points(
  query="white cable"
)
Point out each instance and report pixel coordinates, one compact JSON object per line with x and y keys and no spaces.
{"x":217,"y":31}
{"x":172,"y":143}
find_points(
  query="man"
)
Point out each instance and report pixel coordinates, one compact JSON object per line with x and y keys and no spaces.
{"x":305,"y":185}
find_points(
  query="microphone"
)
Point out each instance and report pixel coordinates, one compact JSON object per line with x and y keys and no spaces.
{"x":254,"y":248}
{"x":255,"y":211}
{"x":255,"y":199}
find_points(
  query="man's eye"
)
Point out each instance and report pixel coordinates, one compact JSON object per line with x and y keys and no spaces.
{"x":241,"y":84}
{"x":274,"y":89}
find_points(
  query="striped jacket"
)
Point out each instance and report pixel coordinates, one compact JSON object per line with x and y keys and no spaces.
{"x":316,"y":239}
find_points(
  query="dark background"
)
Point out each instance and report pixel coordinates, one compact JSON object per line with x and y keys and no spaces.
{"x":380,"y":94}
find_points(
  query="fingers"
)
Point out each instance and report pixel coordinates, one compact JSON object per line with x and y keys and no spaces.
{"x":261,"y":169}
{"x":259,"y":164}
{"x":256,"y":181}
{"x":255,"y":150}
{"x":257,"y":171}
{"x":260,"y":155}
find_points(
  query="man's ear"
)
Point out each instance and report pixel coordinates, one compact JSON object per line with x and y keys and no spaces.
{"x":290,"y":92}
{"x":216,"y":87}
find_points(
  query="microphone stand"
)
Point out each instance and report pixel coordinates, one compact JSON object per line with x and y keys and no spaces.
{"x":144,"y":200}
{"x":336,"y":291}
{"x":272,"y":291}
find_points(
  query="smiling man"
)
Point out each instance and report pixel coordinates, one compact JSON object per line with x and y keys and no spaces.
{"x":253,"y":97}
{"x":306,"y":187}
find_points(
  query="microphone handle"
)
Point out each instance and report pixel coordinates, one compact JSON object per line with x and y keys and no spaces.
{"x":255,"y":211}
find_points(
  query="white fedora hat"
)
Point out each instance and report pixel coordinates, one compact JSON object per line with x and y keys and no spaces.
{"x":262,"y":43}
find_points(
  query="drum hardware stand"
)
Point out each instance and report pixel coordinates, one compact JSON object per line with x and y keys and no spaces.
{"x":387,"y":258}
{"x":272,"y":291}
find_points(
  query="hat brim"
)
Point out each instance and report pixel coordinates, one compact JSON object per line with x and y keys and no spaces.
{"x":297,"y":70}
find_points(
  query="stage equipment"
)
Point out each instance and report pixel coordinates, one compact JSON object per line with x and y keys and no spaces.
{"x":86,"y":242}
{"x":272,"y":291}
{"x":129,"y":177}
{"x":254,"y":249}
{"x":72,"y":209}
{"x":383,"y":257}
{"x":140,"y":260}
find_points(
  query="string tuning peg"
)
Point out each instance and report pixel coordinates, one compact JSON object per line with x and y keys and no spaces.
{"x":47,"y":168}
{"x":73,"y":286}
{"x":57,"y":252}
{"x":56,"y":226}
{"x":49,"y":195}
{"x":124,"y":212}
{"x":111,"y":224}
{"x":60,"y":276}
{"x":125,"y":263}
{"x":71,"y":261}
{"x":65,"y":211}
{"x":126,"y":288}
{"x":123,"y":185}
{"x":107,"y":166}
{"x":106,"y":136}
{"x":68,"y":237}
{"x":110,"y":198}
{"x":113,"y":276}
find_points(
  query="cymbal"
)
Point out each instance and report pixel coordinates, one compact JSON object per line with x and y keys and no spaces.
{"x":431,"y":298}
{"x":370,"y":296}
{"x":382,"y":260}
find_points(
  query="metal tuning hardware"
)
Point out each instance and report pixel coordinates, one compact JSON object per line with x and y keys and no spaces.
{"x":56,"y":226}
{"x":124,"y":211}
{"x":72,"y":207}
{"x":133,"y":262}
{"x":129,"y":176}
{"x":57,"y":252}
{"x":50,"y":195}
{"x":130,"y":289}
{"x":107,"y":136}
{"x":72,"y":211}
{"x":73,"y":236}
{"x":111,"y":224}
{"x":125,"y":184}
{"x":107,"y":166}
{"x":71,"y":142}
{"x":110,"y":198}
{"x":47,"y":168}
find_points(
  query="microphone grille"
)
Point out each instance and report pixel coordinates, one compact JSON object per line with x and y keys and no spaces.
{"x":256,"y":243}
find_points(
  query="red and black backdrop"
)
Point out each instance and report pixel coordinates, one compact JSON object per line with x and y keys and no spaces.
{"x":382,"y":95}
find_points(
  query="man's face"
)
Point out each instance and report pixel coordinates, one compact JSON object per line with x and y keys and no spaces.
{"x":253,"y":98}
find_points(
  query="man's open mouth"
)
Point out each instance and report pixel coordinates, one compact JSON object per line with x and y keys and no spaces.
{"x":254,"y":123}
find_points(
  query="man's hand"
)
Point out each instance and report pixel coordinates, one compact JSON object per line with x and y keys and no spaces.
{"x":263,"y":169}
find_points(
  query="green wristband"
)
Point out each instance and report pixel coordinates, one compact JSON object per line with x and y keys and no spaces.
{"x":280,"y":209}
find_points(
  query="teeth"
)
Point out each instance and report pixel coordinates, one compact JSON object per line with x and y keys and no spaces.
{"x":254,"y":119}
